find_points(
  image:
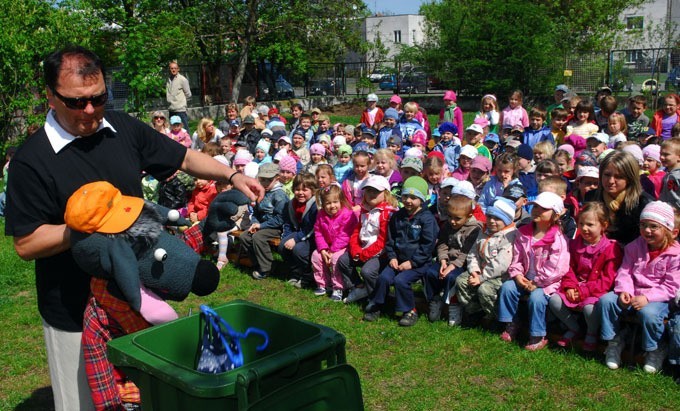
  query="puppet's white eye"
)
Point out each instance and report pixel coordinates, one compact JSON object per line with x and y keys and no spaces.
{"x":160,"y":254}
{"x":173,"y":215}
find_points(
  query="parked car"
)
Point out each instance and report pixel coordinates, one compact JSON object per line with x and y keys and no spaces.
{"x":376,"y":75}
{"x":283,"y":89}
{"x":388,"y":82}
{"x":325,"y":87}
{"x":412,"y":82}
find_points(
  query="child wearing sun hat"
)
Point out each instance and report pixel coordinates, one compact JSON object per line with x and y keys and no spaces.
{"x":652,"y":179}
{"x":648,"y":279}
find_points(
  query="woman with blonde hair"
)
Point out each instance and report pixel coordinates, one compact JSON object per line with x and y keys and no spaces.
{"x":160,"y":123}
{"x":205,"y":132}
{"x":621,"y":192}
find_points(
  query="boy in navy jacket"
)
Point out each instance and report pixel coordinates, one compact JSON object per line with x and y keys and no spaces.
{"x":412,"y":234}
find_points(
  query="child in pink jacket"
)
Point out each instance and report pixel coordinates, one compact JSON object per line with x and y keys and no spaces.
{"x":334,"y":225}
{"x":648,"y":279}
{"x":592,"y":269}
{"x":540,"y":259}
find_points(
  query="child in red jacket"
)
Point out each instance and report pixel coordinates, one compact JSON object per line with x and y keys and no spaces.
{"x":592,"y":268}
{"x":204,"y":193}
{"x":367,"y":243}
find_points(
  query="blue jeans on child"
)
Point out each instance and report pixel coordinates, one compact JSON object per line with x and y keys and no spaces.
{"x":402,"y":281}
{"x":508,"y":302}
{"x":651,"y":318}
{"x":434,"y":285}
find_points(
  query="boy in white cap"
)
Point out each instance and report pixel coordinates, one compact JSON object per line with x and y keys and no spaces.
{"x":373,"y":115}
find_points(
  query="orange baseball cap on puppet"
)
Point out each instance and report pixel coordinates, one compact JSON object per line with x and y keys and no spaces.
{"x":100,"y":207}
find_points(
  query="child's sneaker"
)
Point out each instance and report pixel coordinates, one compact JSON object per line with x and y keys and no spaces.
{"x":259,"y":276}
{"x":356,"y":294}
{"x":435,"y":309}
{"x":455,"y":314}
{"x":612,"y":355}
{"x":536,"y":343}
{"x":590,"y":343}
{"x":568,"y":338}
{"x":371,"y":312}
{"x":654,"y":359}
{"x":336,"y":296}
{"x":510,"y":332}
{"x":409,"y":319}
{"x":295,"y":282}
{"x":320,"y":291}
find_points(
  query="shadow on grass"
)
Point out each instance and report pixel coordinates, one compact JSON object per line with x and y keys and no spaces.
{"x":40,"y":400}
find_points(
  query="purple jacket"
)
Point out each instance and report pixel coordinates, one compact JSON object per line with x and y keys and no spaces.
{"x":332,"y":233}
{"x":550,"y":256}
{"x":658,"y":280}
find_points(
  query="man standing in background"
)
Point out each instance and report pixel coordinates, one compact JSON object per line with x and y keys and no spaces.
{"x":178,"y":93}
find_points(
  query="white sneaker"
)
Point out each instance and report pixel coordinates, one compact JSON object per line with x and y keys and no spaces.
{"x":455,"y":314}
{"x":654,"y":359}
{"x":613,"y":352}
{"x":356,"y":294}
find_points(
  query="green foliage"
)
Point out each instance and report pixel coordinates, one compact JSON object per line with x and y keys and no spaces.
{"x":141,"y":36}
{"x":501,"y":45}
{"x":31,"y":29}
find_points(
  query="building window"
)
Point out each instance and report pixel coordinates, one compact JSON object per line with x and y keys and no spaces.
{"x":633,"y":56}
{"x":634,"y":23}
{"x":397,"y":36}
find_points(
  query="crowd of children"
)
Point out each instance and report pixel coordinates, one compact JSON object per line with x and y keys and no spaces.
{"x":574,"y":211}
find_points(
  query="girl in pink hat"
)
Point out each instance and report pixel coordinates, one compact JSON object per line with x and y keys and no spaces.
{"x":451,"y":112}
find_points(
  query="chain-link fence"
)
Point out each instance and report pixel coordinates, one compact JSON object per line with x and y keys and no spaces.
{"x":585,"y":73}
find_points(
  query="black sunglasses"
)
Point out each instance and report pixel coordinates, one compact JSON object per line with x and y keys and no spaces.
{"x":79,"y":103}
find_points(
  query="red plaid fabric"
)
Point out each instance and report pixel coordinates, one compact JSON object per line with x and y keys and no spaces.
{"x":107,"y":317}
{"x":193,"y":237}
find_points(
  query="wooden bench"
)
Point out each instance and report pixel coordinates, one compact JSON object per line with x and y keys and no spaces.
{"x":238,"y":256}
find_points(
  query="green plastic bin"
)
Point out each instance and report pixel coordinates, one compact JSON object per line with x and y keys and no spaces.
{"x":161,"y":360}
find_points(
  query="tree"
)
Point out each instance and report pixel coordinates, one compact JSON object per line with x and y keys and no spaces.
{"x":286,"y":33}
{"x":500,"y":45}
{"x":31,"y":29}
{"x":141,"y":36}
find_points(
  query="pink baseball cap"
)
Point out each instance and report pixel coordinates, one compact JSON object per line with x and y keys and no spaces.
{"x":395,"y":99}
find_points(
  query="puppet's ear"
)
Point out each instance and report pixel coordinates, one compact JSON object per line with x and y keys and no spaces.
{"x":125,"y":270}
{"x":91,"y":253}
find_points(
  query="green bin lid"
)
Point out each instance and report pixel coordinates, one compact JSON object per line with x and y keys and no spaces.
{"x":335,"y":388}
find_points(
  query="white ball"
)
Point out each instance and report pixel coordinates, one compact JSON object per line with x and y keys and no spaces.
{"x":160,"y":254}
{"x":173,"y":215}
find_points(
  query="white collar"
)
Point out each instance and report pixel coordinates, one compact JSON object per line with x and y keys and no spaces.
{"x":60,"y":138}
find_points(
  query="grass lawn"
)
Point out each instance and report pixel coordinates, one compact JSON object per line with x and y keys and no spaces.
{"x":426,"y":367}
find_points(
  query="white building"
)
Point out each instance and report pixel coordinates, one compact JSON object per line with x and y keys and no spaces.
{"x":394,"y":31}
{"x":653,"y":24}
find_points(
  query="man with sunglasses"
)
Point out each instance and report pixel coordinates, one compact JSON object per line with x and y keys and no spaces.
{"x":81,"y":143}
{"x":177,"y":93}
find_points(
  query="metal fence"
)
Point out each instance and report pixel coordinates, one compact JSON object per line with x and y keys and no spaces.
{"x":625,"y":71}
{"x":213,"y":84}
{"x":644,"y":70}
